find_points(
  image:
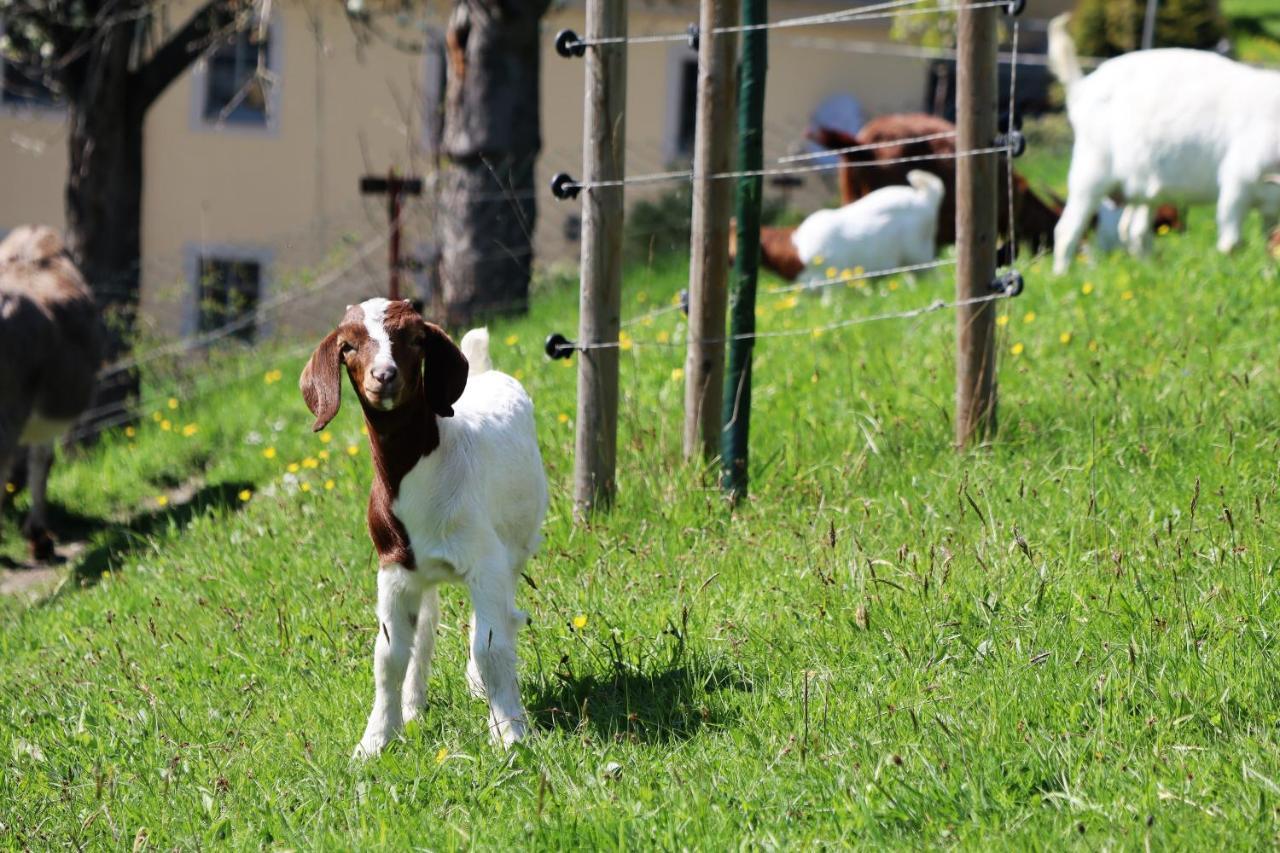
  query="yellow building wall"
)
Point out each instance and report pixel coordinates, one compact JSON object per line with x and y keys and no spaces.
{"x":347,"y":107}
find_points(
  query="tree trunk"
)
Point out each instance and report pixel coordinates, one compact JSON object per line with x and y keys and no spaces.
{"x":492,"y":137}
{"x":104,"y":202}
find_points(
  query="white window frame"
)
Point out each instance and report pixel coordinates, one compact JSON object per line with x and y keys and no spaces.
{"x":263,"y":256}
{"x":200,"y":92}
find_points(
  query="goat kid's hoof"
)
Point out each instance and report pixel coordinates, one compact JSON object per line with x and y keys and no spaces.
{"x":41,"y":547}
{"x":410,"y":710}
{"x":511,"y":733}
{"x":370,"y":746}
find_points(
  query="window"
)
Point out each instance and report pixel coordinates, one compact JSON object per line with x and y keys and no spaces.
{"x":20,"y":87}
{"x":237,"y":86}
{"x":227,"y":293}
{"x":682,"y":104}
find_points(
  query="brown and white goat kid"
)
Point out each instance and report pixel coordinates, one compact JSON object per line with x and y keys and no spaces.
{"x":459,"y":494}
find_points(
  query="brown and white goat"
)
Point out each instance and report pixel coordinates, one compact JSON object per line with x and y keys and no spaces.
{"x":458,"y":495}
{"x":896,"y":137}
{"x":51,"y":346}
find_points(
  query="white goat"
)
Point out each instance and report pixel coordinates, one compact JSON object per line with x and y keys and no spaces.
{"x":1169,"y":124}
{"x":890,"y":227}
{"x":458,"y":495}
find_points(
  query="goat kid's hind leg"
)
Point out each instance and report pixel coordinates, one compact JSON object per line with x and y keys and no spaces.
{"x":36,"y":527}
{"x":413,"y":696}
{"x":1071,"y":227}
{"x":399,"y":594}
{"x":493,"y":654}
{"x":1135,"y":229}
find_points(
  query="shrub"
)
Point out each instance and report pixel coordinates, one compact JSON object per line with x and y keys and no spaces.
{"x":1112,"y":27}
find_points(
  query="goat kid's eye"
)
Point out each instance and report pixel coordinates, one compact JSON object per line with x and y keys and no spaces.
{"x":346,"y":350}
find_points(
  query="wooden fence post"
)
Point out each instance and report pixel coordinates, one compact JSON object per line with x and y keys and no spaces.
{"x":736,"y":416}
{"x":975,"y":225}
{"x":603,"y":159}
{"x":712,"y":201}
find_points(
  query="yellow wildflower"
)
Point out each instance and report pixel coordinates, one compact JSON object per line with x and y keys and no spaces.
{"x":130,"y":432}
{"x":328,"y":485}
{"x":624,"y":340}
{"x":1016,"y":349}
{"x":269,"y":453}
{"x":306,"y":487}
{"x":292,"y":467}
{"x":364,"y":429}
{"x":245,"y":495}
{"x":817,"y":259}
{"x":10,"y":488}
{"x":1127,"y":295}
{"x":1093,"y":346}
{"x":512,"y":340}
{"x":442,"y":755}
{"x":519,"y":375}
{"x":580,"y":621}
{"x":1064,"y":338}
{"x":1002,"y":320}
{"x":165,"y":425}
{"x":310,"y":462}
{"x":1086,"y":288}
{"x":562,"y":418}
{"x":326,"y":437}
{"x":323,"y":454}
{"x":832,"y":272}
{"x":677,"y":374}
{"x":352,"y":450}
{"x":190,"y":430}
{"x":1162,"y":230}
{"x":665,"y":337}
{"x":173,"y":402}
{"x":162,"y":500}
{"x":157,"y":417}
{"x":1029,"y":317}
{"x":893,"y":284}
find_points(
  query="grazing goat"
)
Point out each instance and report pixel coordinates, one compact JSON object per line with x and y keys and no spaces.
{"x":458,"y":495}
{"x":51,"y":346}
{"x":896,"y":136}
{"x":1167,"y":124}
{"x":891,"y":227}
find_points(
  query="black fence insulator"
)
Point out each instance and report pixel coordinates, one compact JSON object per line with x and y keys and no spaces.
{"x":1014,"y":140}
{"x":563,"y":186}
{"x":684,"y":302}
{"x":558,"y":347}
{"x":569,"y":45}
{"x":695,"y":35}
{"x":1015,"y":7}
{"x":1009,"y":283}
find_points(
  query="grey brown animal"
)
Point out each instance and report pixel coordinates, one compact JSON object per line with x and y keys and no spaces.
{"x":51,"y":347}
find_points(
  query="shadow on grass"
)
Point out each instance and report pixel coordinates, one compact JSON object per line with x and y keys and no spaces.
{"x":671,"y":704}
{"x":121,"y":540}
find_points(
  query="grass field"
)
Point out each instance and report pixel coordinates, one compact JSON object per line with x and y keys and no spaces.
{"x":1067,"y":637}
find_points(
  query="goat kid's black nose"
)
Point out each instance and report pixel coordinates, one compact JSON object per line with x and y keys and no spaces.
{"x":386,"y":374}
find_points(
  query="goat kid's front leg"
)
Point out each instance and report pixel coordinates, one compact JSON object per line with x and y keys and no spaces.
{"x":36,"y":527}
{"x":413,"y":696}
{"x":1233,"y":204}
{"x":493,"y":656}
{"x":399,"y":594}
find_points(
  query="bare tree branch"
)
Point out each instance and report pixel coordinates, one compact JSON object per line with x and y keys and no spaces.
{"x":213,"y":21}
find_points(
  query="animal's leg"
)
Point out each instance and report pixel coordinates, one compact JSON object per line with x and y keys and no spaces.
{"x":1233,"y":204}
{"x":1085,"y":192}
{"x":36,"y":527}
{"x":413,"y":696}
{"x":398,"y":593}
{"x":493,"y":650}
{"x":1135,"y":229}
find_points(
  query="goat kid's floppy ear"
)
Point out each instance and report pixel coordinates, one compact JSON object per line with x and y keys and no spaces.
{"x":444,"y":370}
{"x":321,"y":382}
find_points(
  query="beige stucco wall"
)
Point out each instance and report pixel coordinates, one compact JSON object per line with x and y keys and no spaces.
{"x":346,"y":108}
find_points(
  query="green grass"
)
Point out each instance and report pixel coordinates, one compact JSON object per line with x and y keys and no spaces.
{"x":1066,"y":637}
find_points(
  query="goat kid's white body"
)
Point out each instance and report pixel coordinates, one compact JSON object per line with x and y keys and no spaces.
{"x":890,"y":227}
{"x":1167,"y":125}
{"x":473,"y":509}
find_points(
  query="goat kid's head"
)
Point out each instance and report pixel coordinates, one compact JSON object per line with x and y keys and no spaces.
{"x":393,"y":358}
